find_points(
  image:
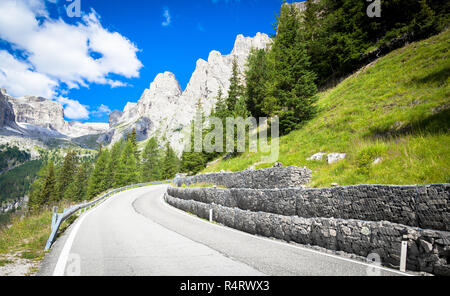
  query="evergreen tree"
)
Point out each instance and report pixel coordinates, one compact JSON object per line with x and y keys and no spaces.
{"x":151,"y":162}
{"x":240,"y":109}
{"x":98,"y":179}
{"x":77,"y":190}
{"x":37,"y":200}
{"x":133,"y":139}
{"x":170,"y":164}
{"x":193,"y":161}
{"x":340,"y":37}
{"x":291,"y":89}
{"x":48,"y":192}
{"x":66,"y":174}
{"x":236,"y":89}
{"x":235,"y":101}
{"x":220,"y":110}
{"x":113,"y":164}
{"x":127,"y":173}
{"x":256,"y":77}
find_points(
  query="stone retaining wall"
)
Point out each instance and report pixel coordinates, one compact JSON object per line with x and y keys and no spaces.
{"x":426,"y":207}
{"x":279,"y":177}
{"x":428,"y":250}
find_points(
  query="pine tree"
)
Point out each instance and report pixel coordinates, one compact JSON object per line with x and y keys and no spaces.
{"x":48,"y":192}
{"x":37,"y":200}
{"x":113,"y":164}
{"x":170,"y":164}
{"x":291,"y":89}
{"x":98,"y":179}
{"x":66,"y":174}
{"x":240,"y":109}
{"x":127,"y":173}
{"x":220,"y":110}
{"x":133,"y":139}
{"x":192,"y":162}
{"x":151,"y":162}
{"x":236,"y":89}
{"x":256,"y":77}
{"x":77,"y":190}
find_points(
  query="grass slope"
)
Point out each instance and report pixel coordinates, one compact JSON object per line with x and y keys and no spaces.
{"x":397,"y":108}
{"x":26,"y":235}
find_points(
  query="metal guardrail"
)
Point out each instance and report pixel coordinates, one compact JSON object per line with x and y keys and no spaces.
{"x":58,"y":219}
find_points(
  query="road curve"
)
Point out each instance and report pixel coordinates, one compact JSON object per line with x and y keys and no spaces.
{"x":136,"y":233}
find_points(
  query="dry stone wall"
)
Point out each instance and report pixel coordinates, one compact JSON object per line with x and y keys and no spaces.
{"x":282,"y":177}
{"x":428,"y":250}
{"x":426,"y":207}
{"x":361,"y":219}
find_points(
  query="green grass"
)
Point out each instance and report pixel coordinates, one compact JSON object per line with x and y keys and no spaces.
{"x":398,"y":109}
{"x":27,"y":235}
{"x":202,"y":185}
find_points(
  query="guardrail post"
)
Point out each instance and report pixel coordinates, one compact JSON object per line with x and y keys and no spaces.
{"x":404,"y":253}
{"x":211,"y":215}
{"x":54,"y":217}
{"x":55,"y":227}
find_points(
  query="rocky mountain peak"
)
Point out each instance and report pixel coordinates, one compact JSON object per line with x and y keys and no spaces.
{"x":164,"y":109}
{"x":114,"y":117}
{"x":6,"y":111}
{"x":40,"y":119}
{"x":39,"y":112}
{"x":213,"y":56}
{"x":165,"y":83}
{"x":243,"y":45}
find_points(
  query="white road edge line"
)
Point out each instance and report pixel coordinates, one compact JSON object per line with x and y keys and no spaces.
{"x":284,"y":244}
{"x":60,"y":267}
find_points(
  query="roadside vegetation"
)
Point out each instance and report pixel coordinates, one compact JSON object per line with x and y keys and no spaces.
{"x":76,"y":180}
{"x":396,"y":109}
{"x":26,"y":235}
{"x":16,"y":183}
{"x":392,"y":111}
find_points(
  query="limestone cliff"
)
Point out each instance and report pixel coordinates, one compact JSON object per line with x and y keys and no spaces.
{"x":164,"y":110}
{"x":6,"y":111}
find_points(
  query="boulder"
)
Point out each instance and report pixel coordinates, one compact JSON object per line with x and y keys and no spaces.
{"x":318,"y":156}
{"x":335,"y":157}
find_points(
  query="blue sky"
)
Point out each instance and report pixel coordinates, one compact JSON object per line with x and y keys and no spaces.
{"x":129,"y":43}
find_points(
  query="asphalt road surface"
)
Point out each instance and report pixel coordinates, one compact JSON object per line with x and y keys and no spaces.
{"x":135,"y":233}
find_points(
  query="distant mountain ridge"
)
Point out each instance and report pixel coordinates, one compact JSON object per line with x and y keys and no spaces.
{"x":163,"y":110}
{"x":37,"y":117}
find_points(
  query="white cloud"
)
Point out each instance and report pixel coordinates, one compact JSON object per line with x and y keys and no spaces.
{"x":101,"y":111}
{"x":19,"y":80}
{"x":61,"y":52}
{"x":73,"y":109}
{"x":167,"y":18}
